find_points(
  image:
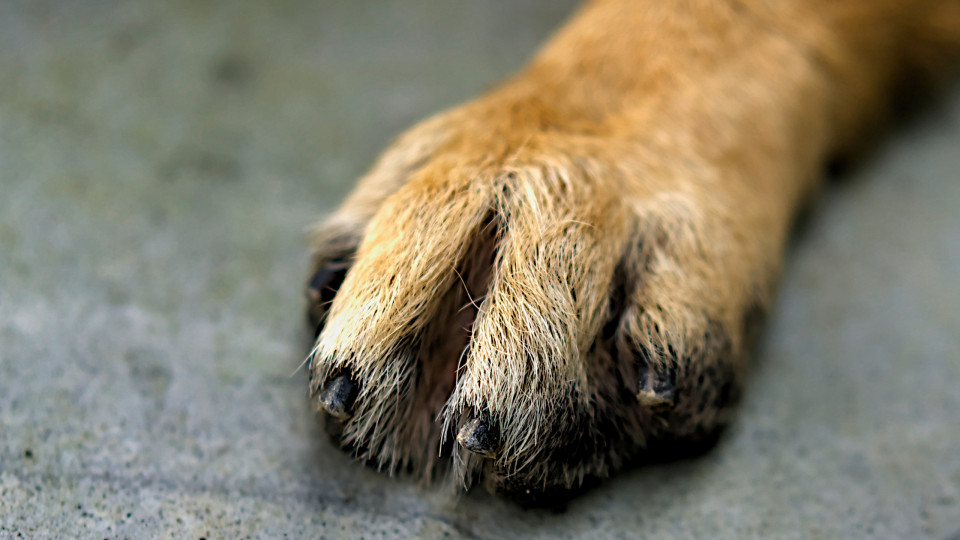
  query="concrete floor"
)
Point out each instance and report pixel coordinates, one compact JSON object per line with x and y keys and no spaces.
{"x":158,"y":164}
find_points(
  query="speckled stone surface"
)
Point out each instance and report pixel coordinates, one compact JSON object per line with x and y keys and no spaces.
{"x":158,"y":165}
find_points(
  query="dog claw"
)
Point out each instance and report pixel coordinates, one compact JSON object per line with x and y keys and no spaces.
{"x":480,"y":437}
{"x":338,"y":396}
{"x":657,"y":390}
{"x":320,"y":281}
{"x":321,"y":289}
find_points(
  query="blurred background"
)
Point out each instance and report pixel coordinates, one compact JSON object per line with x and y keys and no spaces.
{"x":159,"y":163}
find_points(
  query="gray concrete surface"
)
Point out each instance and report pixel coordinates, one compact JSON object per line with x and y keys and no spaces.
{"x":158,"y":164}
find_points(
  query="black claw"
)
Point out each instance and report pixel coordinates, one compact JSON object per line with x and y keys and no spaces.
{"x":320,"y":281}
{"x":325,"y":282}
{"x":480,"y":436}
{"x":338,"y":396}
{"x":657,"y":390}
{"x":321,"y":290}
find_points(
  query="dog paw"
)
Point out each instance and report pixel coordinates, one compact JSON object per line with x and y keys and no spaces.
{"x":562,"y":277}
{"x":531,"y":324}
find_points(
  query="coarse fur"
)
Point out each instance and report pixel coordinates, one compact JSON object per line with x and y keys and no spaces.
{"x":580,"y":257}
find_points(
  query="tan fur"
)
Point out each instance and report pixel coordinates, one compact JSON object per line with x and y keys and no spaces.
{"x":641,"y":174}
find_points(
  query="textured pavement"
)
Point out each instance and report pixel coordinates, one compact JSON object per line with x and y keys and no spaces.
{"x":159,"y":163}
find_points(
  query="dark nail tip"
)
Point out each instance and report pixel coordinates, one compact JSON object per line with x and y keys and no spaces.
{"x":657,"y":388}
{"x":328,"y":275}
{"x":480,"y":437}
{"x":320,"y":280}
{"x":338,"y":396}
{"x":654,"y":401}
